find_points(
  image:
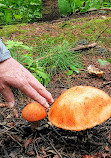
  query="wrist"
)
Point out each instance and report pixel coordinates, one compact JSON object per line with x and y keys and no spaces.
{"x":5,"y":60}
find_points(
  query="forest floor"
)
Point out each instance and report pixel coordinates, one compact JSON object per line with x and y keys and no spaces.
{"x":17,"y":140}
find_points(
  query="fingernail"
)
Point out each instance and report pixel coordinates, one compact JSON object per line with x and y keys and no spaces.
{"x":52,"y":100}
{"x":11,"y":104}
{"x":46,"y":105}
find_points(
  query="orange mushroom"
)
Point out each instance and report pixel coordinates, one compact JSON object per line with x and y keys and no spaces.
{"x":79,"y":108}
{"x":34,"y":112}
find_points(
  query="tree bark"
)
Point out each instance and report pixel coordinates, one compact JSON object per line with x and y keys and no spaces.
{"x":50,"y":10}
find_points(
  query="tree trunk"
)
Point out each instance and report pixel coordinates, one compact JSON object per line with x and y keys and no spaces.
{"x":50,"y":10}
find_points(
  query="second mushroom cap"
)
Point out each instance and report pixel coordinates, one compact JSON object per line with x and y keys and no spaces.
{"x":34,"y":112}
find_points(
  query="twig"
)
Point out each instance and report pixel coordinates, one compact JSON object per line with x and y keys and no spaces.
{"x":101,"y":33}
{"x":14,"y":139}
{"x":5,"y":151}
{"x":104,"y":84}
{"x":47,"y":155}
{"x":95,"y":143}
{"x":6,"y":128}
{"x":56,"y":150}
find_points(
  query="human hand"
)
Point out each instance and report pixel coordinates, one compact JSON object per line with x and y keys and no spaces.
{"x":12,"y":73}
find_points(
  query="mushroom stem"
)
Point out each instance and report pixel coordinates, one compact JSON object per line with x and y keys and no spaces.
{"x":35,"y":124}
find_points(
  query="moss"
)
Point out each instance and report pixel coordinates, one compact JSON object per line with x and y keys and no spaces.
{"x":7,"y":31}
{"x":72,"y":30}
{"x":22,"y":24}
{"x":21,"y":37}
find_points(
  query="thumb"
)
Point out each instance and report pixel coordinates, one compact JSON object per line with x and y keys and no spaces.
{"x":8,"y":96}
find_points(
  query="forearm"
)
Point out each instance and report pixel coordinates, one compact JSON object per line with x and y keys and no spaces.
{"x":4,"y":52}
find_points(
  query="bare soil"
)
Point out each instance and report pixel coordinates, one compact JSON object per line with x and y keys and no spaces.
{"x":18,"y":140}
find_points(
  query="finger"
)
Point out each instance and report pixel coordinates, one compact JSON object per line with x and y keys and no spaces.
{"x":25,"y":87}
{"x":40,"y":89}
{"x":33,"y":94}
{"x":8,"y":96}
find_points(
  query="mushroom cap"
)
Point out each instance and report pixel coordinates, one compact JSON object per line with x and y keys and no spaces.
{"x":34,"y":112}
{"x":79,"y":108}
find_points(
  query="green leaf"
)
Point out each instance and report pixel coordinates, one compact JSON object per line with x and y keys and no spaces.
{"x":12,"y":44}
{"x":42,"y":74}
{"x":2,"y":5}
{"x":32,"y":69}
{"x":31,"y":3}
{"x":74,"y":68}
{"x":27,"y":59}
{"x":18,"y":17}
{"x":69,"y":72}
{"x":37,"y":77}
{"x":102,"y":62}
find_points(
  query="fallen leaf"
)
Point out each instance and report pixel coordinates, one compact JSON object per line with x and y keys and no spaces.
{"x":31,"y":153}
{"x":27,"y":142}
{"x":100,"y":155}
{"x":3,"y":105}
{"x":95,"y":71}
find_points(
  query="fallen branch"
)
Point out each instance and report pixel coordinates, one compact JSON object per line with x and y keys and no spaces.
{"x":91,"y":10}
{"x":83,"y":47}
{"x":101,"y":33}
{"x":107,"y":9}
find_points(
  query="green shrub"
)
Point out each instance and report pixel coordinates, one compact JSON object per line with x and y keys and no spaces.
{"x":19,"y":11}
